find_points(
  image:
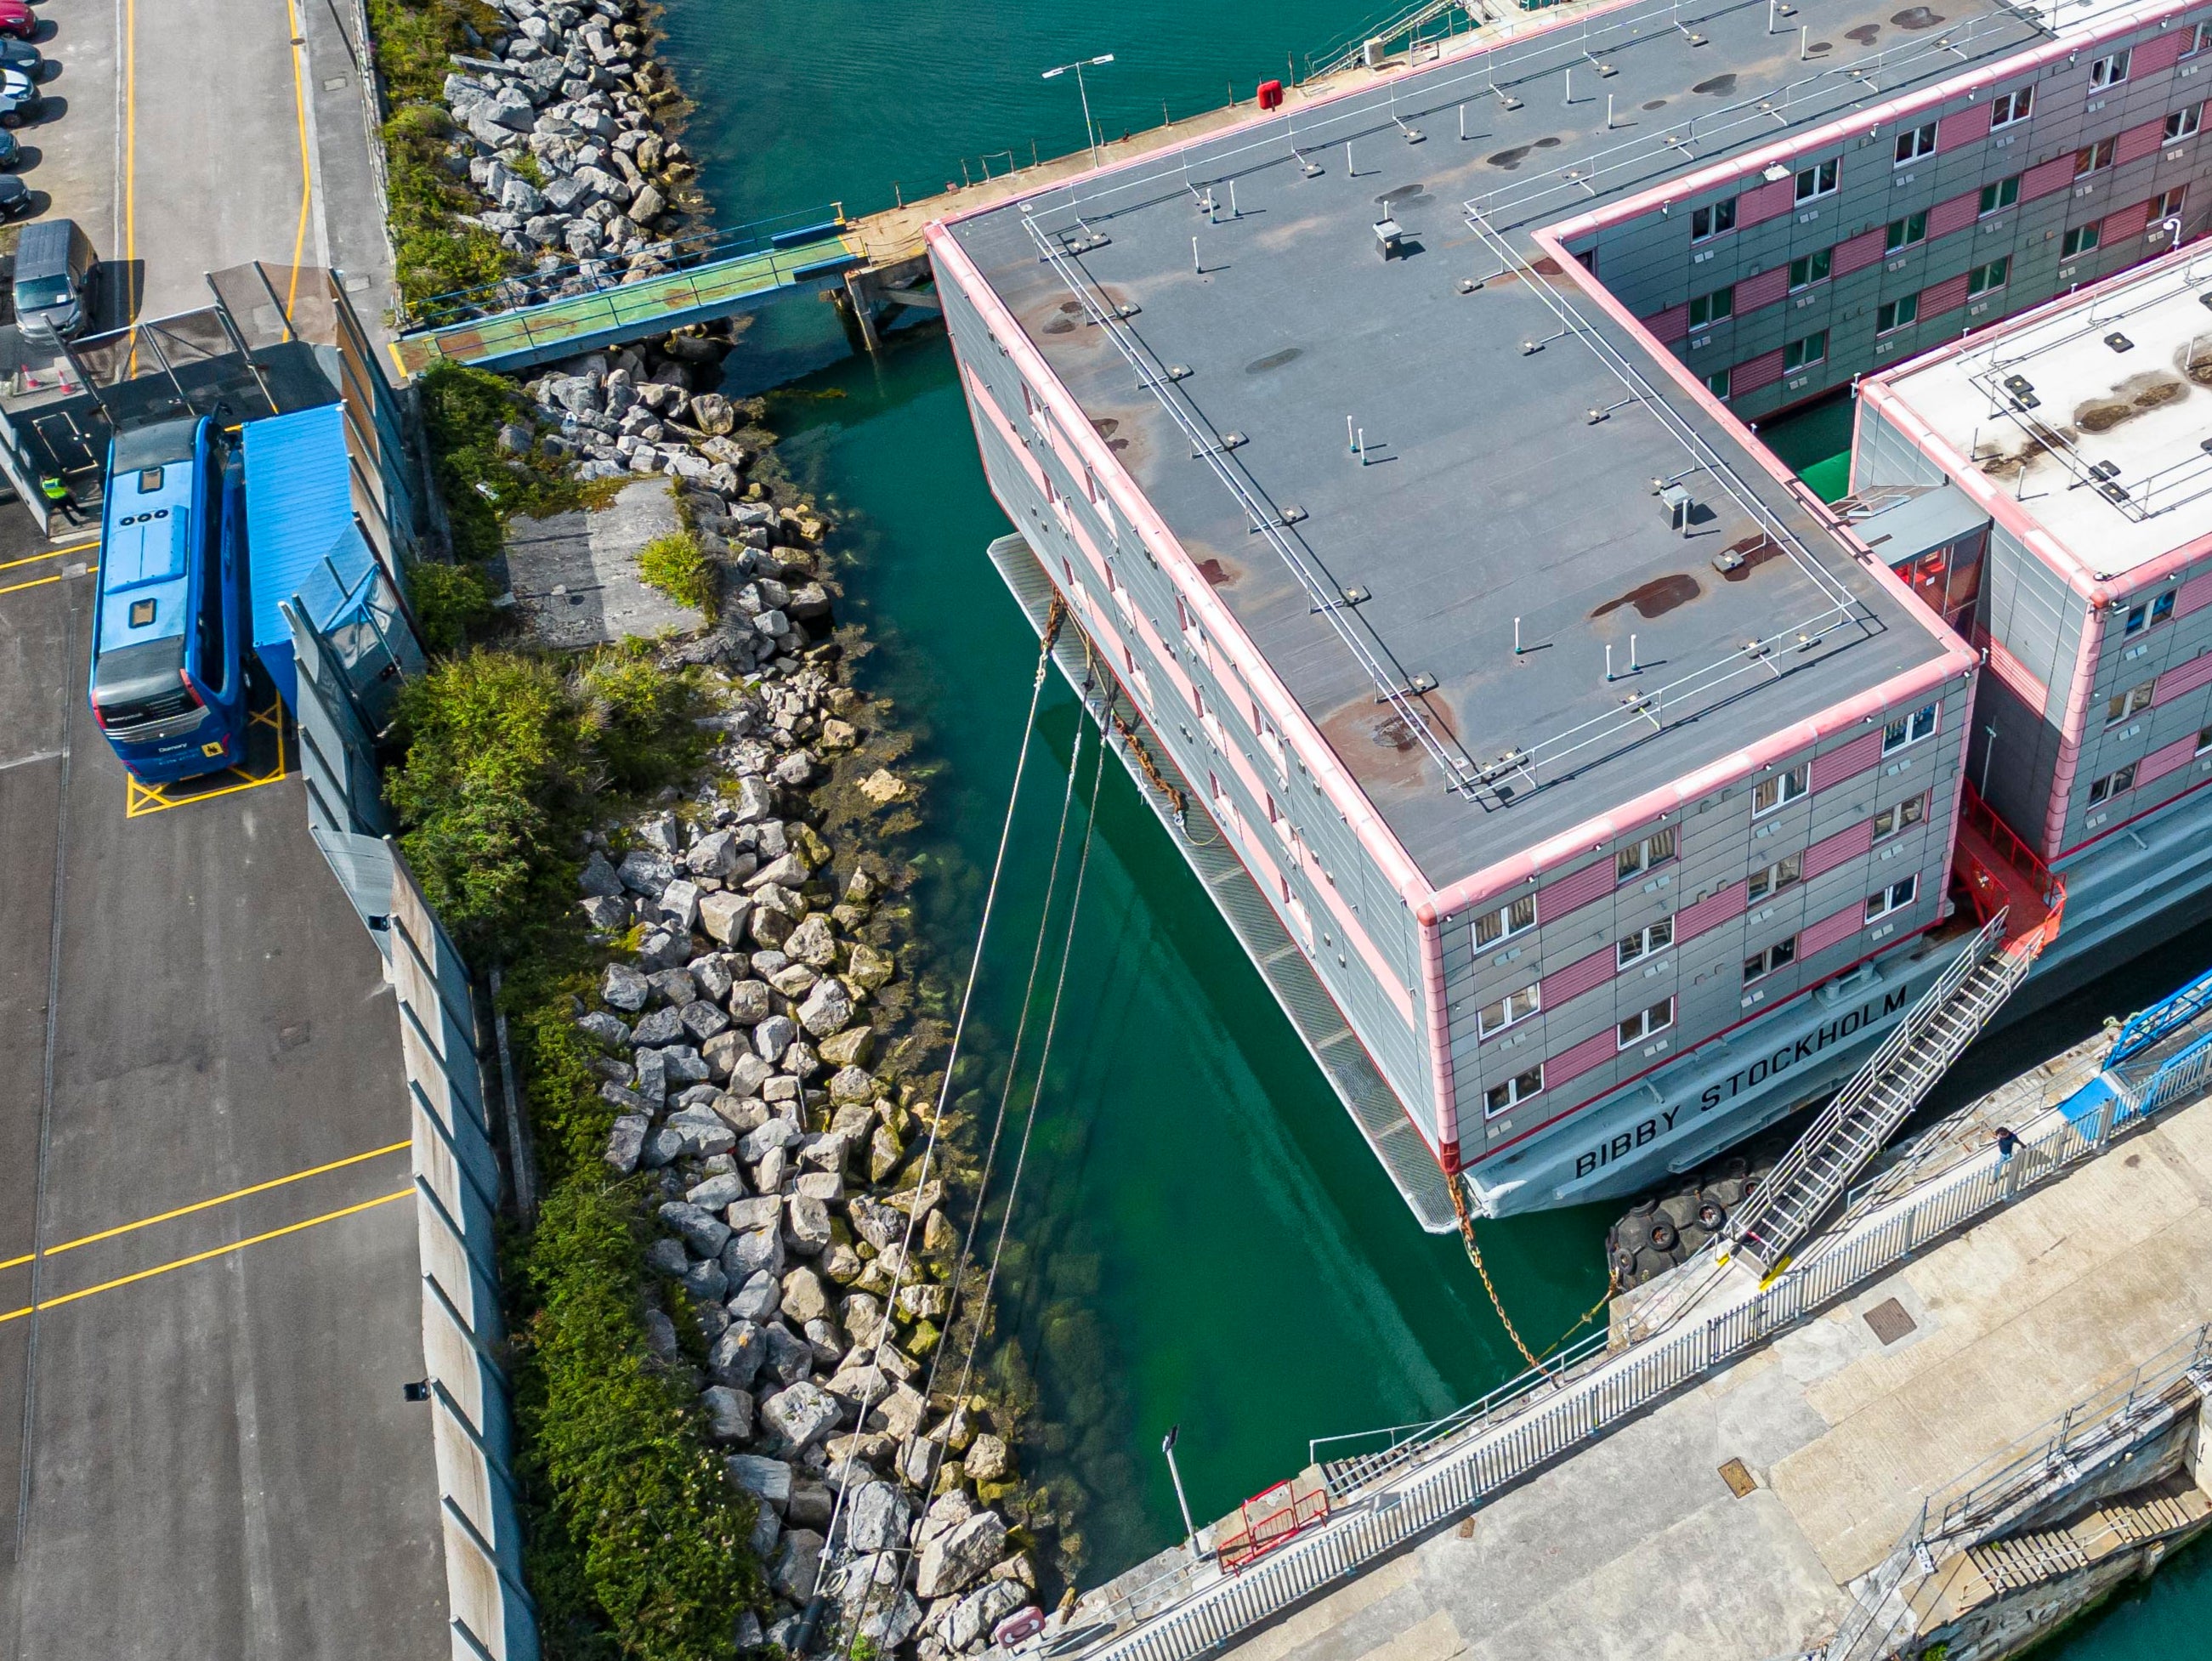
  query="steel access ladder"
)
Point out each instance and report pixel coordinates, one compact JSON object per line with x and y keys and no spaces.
{"x":1895,"y":1080}
{"x":2021,"y":902}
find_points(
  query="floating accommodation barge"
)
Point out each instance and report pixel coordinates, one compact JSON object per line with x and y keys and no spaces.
{"x":1395,"y":453}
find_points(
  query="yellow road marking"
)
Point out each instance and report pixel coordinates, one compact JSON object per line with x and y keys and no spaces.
{"x":307,"y":175}
{"x":203,"y":1256}
{"x":202,"y":1205}
{"x":140,"y":800}
{"x":40,"y":582}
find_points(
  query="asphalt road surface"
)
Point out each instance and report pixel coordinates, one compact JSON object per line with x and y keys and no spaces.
{"x":210,"y":1295}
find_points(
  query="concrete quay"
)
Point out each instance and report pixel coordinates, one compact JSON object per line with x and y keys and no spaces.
{"x":1877,"y":1478}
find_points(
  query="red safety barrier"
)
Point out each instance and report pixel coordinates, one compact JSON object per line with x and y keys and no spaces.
{"x":1271,"y":94}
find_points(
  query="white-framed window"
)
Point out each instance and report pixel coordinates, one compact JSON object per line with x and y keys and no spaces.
{"x":2121,"y":705}
{"x":1299,"y":916}
{"x":1901,"y":817}
{"x":1194,"y":637}
{"x":1992,"y":274}
{"x":1270,"y":741}
{"x":1281,"y":826}
{"x":2199,"y":38}
{"x":1718,"y":382}
{"x":1810,"y":268}
{"x":1779,"y":788}
{"x":1637,"y":857}
{"x":1914,"y":142}
{"x":1208,"y":722}
{"x":1712,"y":220}
{"x":1759,"y":964}
{"x":2112,"y":784}
{"x":1906,"y":232}
{"x":1139,"y":682}
{"x":2008,"y":107}
{"x":1803,"y":354}
{"x":1997,"y":196}
{"x":1646,"y":1022}
{"x":1783,"y":874}
{"x":2183,"y":124}
{"x":1224,"y":806}
{"x":1516,"y":917}
{"x":2203,"y":741}
{"x":1090,"y":486}
{"x":1714,"y":307}
{"x":1894,"y":314}
{"x":2150,"y":615}
{"x":2109,"y":71}
{"x":1504,"y":1097}
{"x":2167,"y":204}
{"x":1122,"y":603}
{"x":1644,"y":942}
{"x":2080,"y":240}
{"x":1819,"y":181}
{"x":1895,"y":897}
{"x":2092,"y":158}
{"x":1512,"y":1007}
{"x":1909,"y":729}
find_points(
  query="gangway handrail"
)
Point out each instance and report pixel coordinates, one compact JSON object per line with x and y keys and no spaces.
{"x":1746,"y":1224}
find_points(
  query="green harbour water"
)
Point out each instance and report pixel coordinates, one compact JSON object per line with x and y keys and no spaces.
{"x":1201,"y":1237}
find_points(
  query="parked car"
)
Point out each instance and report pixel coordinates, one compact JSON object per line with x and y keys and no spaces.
{"x":22,"y":54}
{"x":11,"y":153}
{"x":19,"y":100}
{"x":18,"y":19}
{"x":15,"y":197}
{"x":57,"y":276}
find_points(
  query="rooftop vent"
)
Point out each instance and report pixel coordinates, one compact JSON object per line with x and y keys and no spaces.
{"x":1390,"y":237}
{"x":2118,"y":342}
{"x":1679,"y":505}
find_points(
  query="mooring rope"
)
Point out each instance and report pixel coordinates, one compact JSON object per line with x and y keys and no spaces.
{"x":1054,"y":618}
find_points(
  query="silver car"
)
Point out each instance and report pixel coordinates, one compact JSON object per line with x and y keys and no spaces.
{"x":20,"y":100}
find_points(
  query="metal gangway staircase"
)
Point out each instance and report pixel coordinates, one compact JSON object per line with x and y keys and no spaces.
{"x":2020,"y":903}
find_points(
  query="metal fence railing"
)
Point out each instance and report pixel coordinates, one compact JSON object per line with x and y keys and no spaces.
{"x":1443,"y":1470}
{"x":2008,"y":1486}
{"x":456,"y":1205}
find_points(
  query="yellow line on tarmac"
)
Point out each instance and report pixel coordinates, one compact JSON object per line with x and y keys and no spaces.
{"x":51,"y":553}
{"x":307,"y":175}
{"x":40,"y":582}
{"x":202,"y":1205}
{"x":203,"y":1256}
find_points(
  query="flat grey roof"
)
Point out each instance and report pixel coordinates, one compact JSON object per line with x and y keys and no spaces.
{"x":1486,"y":492}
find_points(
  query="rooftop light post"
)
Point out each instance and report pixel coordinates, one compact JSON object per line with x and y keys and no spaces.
{"x":1090,"y":133}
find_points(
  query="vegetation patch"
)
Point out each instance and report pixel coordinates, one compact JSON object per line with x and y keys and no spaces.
{"x":677,"y":566}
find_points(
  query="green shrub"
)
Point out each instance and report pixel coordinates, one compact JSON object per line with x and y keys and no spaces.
{"x":450,"y":602}
{"x":494,"y":764}
{"x":463,"y":409}
{"x":638,"y":1526}
{"x":638,"y":716}
{"x":677,"y":566}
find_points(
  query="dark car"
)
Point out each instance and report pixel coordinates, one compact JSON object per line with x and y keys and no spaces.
{"x":11,"y":153}
{"x":15,"y":197}
{"x":22,"y":56}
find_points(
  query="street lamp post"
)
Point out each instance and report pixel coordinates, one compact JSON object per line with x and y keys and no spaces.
{"x":1167,"y":1447}
{"x":1090,"y":133}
